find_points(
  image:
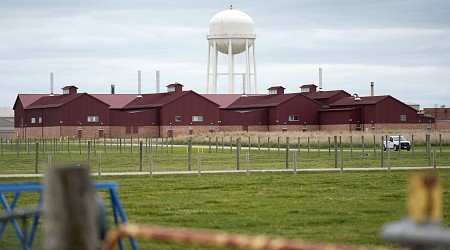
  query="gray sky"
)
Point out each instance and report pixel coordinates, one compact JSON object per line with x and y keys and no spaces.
{"x":401,"y":45}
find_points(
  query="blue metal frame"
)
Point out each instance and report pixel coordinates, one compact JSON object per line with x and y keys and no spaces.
{"x":18,"y":188}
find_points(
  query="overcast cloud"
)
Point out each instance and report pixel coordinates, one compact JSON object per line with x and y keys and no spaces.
{"x":402,"y":46}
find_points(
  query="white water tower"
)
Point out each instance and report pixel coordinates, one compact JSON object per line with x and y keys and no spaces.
{"x":231,"y":33}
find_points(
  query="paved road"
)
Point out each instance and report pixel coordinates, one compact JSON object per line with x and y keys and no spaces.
{"x":237,"y":171}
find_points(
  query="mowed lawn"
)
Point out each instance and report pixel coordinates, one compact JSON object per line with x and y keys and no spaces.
{"x":348,"y":208}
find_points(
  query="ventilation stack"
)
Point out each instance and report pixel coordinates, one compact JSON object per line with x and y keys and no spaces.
{"x":139,"y":85}
{"x":51,"y":84}
{"x":113,"y":89}
{"x":320,"y":79}
{"x":372,"y":90}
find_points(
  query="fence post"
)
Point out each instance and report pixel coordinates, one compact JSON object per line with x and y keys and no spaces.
{"x":268,"y":145}
{"x":140,"y":156}
{"x":382,"y":153}
{"x":351,"y":146}
{"x":1,"y":143}
{"x":335,"y":152}
{"x":434,"y":160}
{"x":440,"y":144}
{"x":37,"y":157}
{"x":189,"y":153}
{"x":49,"y":160}
{"x":278,"y":146}
{"x":69,"y":206}
{"x":217,"y":145}
{"x":309,"y":145}
{"x":389,"y":157}
{"x":341,"y":155}
{"x":318,"y":148}
{"x":222,"y":144}
{"x":248,"y":163}
{"x":120,"y":144}
{"x":287,"y":152}
{"x":298,"y":145}
{"x":249,"y":145}
{"x":238,"y":153}
{"x":79,"y":144}
{"x":68,"y":146}
{"x":412,"y":145}
{"x":374,"y":147}
{"x":329,"y":147}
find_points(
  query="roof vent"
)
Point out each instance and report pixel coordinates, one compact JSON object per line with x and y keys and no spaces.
{"x":276,"y":90}
{"x":174,"y":87}
{"x":69,"y":90}
{"x":357,"y":98}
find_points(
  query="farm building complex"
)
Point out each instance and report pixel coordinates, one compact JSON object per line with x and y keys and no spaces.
{"x":179,"y":112}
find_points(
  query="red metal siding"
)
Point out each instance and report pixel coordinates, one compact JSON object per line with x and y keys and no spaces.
{"x":19,"y":114}
{"x":187,"y":106}
{"x":341,"y":116}
{"x":305,"y":108}
{"x":80,"y":108}
{"x":249,"y":117}
{"x":140,"y":118}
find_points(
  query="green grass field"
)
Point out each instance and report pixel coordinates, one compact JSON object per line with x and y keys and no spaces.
{"x":348,"y":208}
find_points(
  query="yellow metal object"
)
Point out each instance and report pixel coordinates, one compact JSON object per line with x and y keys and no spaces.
{"x":425,"y":198}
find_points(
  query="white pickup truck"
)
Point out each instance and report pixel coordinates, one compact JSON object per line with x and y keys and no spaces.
{"x":397,"y":142}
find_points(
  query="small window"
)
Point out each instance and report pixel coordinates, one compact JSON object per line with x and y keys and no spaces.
{"x":92,"y":119}
{"x":272,"y":91}
{"x":40,"y":119}
{"x":178,"y":118}
{"x":403,"y":118}
{"x":197,"y":118}
{"x":294,"y":118}
{"x":33,"y":120}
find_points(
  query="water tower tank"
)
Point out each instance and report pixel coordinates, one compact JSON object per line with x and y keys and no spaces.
{"x":231,"y":24}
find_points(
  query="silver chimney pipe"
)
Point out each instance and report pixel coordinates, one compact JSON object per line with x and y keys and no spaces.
{"x":51,"y":84}
{"x":157,"y":82}
{"x":372,"y":89}
{"x":320,"y":79}
{"x":139,"y":85}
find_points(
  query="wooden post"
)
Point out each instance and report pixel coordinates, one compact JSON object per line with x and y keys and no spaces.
{"x":120,"y":144}
{"x":363,"y":146}
{"x":68,"y":146}
{"x":374,"y":148}
{"x":287,"y":152}
{"x":382,"y":152}
{"x":37,"y":158}
{"x":259,"y":145}
{"x":79,"y":144}
{"x":351,"y":146}
{"x":249,"y":145}
{"x":1,"y":145}
{"x":217,"y":145}
{"x":278,"y":146}
{"x":298,"y":145}
{"x":70,"y":212}
{"x":335,"y":152}
{"x":329,"y":146}
{"x":341,"y":155}
{"x":231,"y":145}
{"x":238,"y":153}
{"x":189,"y":153}
{"x":222,"y":144}
{"x":309,"y":145}
{"x":440,"y":144}
{"x":209,"y":142}
{"x":140,"y":156}
{"x":412,"y":145}
{"x":268,"y":146}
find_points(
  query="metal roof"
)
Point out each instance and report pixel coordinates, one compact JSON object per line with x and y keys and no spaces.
{"x":53,"y":101}
{"x":154,"y":100}
{"x":224,"y":100}
{"x":364,"y":100}
{"x":115,"y":101}
{"x":27,"y":99}
{"x":261,"y":101}
{"x":323,"y":94}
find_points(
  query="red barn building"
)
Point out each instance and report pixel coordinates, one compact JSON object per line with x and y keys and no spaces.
{"x":372,"y":112}
{"x":276,"y":111}
{"x":69,"y":114}
{"x":176,"y":112}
